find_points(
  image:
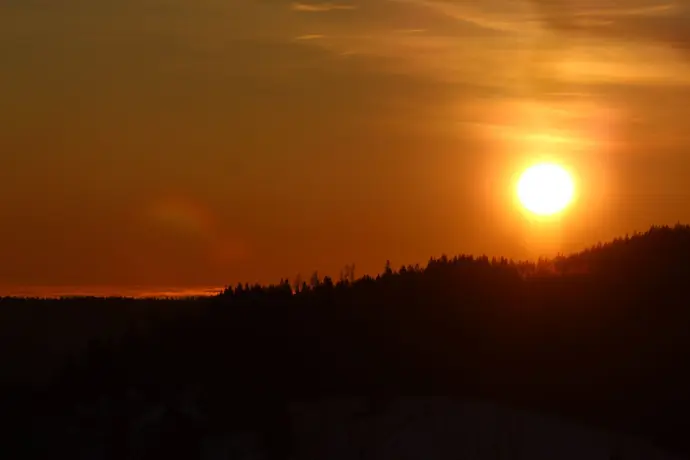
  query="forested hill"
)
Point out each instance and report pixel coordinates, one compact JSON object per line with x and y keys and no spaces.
{"x":601,"y":335}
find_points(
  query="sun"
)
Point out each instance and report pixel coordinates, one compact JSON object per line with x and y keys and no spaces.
{"x":545,"y":189}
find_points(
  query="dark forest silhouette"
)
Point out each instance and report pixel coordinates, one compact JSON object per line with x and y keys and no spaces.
{"x":599,"y":336}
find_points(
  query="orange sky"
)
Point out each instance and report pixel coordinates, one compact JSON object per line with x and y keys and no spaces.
{"x":185,"y":143}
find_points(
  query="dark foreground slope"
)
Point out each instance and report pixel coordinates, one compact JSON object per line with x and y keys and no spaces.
{"x":599,"y":337}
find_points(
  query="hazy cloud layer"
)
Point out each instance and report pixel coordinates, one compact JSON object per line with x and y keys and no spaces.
{"x":634,"y":20}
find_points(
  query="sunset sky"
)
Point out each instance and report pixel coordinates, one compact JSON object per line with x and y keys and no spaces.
{"x":150,"y":144}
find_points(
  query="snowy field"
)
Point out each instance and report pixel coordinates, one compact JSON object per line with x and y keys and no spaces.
{"x":424,"y":429}
{"x":443,"y":429}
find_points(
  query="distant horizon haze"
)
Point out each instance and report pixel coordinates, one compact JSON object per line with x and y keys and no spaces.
{"x":542,"y":247}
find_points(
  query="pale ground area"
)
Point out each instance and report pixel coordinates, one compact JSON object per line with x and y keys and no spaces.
{"x":442,"y":429}
{"x":424,"y":429}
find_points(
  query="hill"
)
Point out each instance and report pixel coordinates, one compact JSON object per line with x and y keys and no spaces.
{"x":599,"y":337}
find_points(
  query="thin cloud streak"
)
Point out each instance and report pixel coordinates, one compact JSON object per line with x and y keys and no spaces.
{"x":310,"y":37}
{"x":320,"y":7}
{"x":144,"y":292}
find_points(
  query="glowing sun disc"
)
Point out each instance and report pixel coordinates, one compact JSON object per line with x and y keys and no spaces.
{"x":545,"y":189}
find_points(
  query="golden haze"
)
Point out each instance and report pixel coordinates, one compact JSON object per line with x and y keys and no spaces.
{"x":203,"y":143}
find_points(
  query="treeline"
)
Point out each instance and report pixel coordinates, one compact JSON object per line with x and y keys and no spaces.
{"x":600,"y":335}
{"x":637,"y":254}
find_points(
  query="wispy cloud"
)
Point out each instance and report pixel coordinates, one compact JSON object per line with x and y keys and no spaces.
{"x":321,"y":7}
{"x":310,"y":37}
{"x":515,"y":19}
{"x":632,"y":20}
{"x":410,"y":31}
{"x":528,"y":45}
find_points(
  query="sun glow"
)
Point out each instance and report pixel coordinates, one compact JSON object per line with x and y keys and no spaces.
{"x":545,"y":189}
